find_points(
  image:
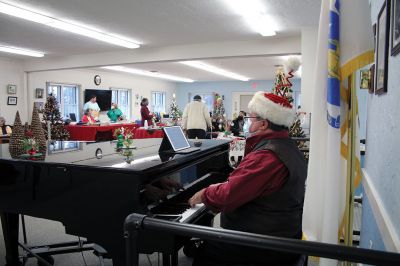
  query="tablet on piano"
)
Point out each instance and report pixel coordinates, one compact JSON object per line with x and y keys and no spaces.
{"x":176,"y":140}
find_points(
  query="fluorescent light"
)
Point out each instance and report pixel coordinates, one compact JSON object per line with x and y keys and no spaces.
{"x":254,"y":12}
{"x":215,"y":70}
{"x":147,"y":73}
{"x":16,"y":50}
{"x":67,"y":26}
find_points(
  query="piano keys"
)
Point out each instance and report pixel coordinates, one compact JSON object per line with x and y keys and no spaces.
{"x":92,"y":195}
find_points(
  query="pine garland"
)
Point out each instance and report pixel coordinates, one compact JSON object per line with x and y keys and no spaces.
{"x":52,"y":114}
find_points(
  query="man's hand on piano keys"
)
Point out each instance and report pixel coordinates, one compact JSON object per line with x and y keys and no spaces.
{"x":196,"y":198}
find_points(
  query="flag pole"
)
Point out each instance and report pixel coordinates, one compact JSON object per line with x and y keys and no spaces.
{"x":351,"y":162}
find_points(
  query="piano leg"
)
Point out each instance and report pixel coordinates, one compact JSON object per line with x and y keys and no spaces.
{"x":10,"y":225}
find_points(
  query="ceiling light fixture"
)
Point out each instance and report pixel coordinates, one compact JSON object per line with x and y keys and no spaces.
{"x":253,"y":11}
{"x":16,"y":50}
{"x":147,"y":73}
{"x":215,"y":70}
{"x":70,"y":27}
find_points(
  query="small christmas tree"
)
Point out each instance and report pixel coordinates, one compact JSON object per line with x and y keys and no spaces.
{"x":174,"y":111}
{"x":218,"y":114}
{"x":38,"y":132}
{"x":16,"y":139}
{"x":52,"y":114}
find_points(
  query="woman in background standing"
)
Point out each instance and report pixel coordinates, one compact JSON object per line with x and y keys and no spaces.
{"x":4,"y":129}
{"x":145,"y":112}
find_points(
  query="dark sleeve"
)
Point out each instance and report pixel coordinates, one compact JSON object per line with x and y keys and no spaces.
{"x":235,"y":128}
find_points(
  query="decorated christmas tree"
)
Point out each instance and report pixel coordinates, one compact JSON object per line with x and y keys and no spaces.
{"x":16,"y":139}
{"x":174,"y":111}
{"x":218,"y":114}
{"x":52,"y":114}
{"x":38,"y":132}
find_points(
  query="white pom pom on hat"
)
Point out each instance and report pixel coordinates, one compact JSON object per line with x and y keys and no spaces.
{"x":272,"y":107}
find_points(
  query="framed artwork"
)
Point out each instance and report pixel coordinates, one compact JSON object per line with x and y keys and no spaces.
{"x":381,"y":53}
{"x":12,"y":100}
{"x":39,"y":93}
{"x":364,"y":78}
{"x":395,"y":49}
{"x":39,"y":106}
{"x":11,"y":89}
{"x":371,"y":82}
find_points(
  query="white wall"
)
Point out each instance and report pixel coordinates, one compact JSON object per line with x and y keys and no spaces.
{"x":11,"y":73}
{"x":309,"y":38}
{"x":84,"y":77}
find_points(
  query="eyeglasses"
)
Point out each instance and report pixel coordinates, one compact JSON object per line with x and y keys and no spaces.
{"x":248,"y":117}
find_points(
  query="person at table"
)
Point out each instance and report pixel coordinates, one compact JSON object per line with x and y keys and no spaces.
{"x":237,"y":124}
{"x":93,"y":106}
{"x":5,"y":130}
{"x":145,"y":112}
{"x":114,"y":113}
{"x":88,"y":118}
{"x":196,"y":118}
{"x":264,"y":194}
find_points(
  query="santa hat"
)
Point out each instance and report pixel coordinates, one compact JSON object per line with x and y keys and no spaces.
{"x":272,"y":107}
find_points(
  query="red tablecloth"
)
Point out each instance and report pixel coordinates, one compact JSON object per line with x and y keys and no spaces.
{"x":141,"y":133}
{"x":88,"y":133}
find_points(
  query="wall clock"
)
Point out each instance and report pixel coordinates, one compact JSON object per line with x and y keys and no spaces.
{"x":97,"y":80}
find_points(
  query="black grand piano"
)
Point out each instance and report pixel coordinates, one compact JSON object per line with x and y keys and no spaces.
{"x":91,"y":189}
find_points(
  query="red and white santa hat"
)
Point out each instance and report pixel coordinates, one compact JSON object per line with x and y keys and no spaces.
{"x":272,"y":107}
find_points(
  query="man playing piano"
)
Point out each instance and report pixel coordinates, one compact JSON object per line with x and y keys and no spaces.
{"x":265,"y":193}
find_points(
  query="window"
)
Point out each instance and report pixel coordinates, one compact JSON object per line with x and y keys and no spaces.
{"x":158,"y":102}
{"x":64,"y":146}
{"x":67,"y":96}
{"x":207,"y":98}
{"x":122,"y":97}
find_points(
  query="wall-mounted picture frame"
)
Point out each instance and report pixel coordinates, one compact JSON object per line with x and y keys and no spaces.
{"x":364,"y":78}
{"x":39,"y":106}
{"x":12,"y":89}
{"x":395,"y":40}
{"x":371,"y":82}
{"x":12,"y":100}
{"x":382,"y":49}
{"x":39,"y":93}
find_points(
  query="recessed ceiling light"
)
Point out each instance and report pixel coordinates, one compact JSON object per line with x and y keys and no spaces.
{"x":215,"y":70}
{"x":147,"y":73}
{"x":67,"y":26}
{"x":254,"y":13}
{"x":16,"y":50}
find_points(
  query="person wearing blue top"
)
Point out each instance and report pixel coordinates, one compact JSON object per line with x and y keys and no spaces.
{"x":93,"y":106}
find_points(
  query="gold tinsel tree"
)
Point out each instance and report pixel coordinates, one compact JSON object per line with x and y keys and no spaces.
{"x":17,"y":136}
{"x":38,"y":132}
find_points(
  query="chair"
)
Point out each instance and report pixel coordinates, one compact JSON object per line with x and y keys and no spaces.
{"x":104,"y":135}
{"x":72,"y":116}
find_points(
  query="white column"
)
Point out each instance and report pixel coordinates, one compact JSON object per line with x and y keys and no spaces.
{"x":309,"y":38}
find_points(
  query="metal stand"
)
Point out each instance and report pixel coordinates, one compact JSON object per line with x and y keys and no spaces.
{"x":43,"y":253}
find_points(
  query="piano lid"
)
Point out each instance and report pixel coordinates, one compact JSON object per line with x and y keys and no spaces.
{"x":104,"y":154}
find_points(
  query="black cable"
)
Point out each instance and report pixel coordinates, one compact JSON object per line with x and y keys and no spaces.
{"x":148,"y":258}
{"x":80,"y":246}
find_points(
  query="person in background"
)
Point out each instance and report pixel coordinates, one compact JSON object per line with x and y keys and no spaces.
{"x":93,"y":106}
{"x":88,"y":118}
{"x":5,"y":130}
{"x":114,"y":113}
{"x":264,"y":194}
{"x":145,"y":112}
{"x":237,"y":124}
{"x":196,"y":118}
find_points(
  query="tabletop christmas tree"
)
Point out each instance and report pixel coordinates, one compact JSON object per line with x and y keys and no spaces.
{"x":16,"y":140}
{"x":52,"y":114}
{"x":218,"y":114}
{"x":174,"y":112}
{"x":38,"y":132}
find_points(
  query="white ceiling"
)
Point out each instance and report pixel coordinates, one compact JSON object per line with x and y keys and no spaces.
{"x":156,"y":24}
